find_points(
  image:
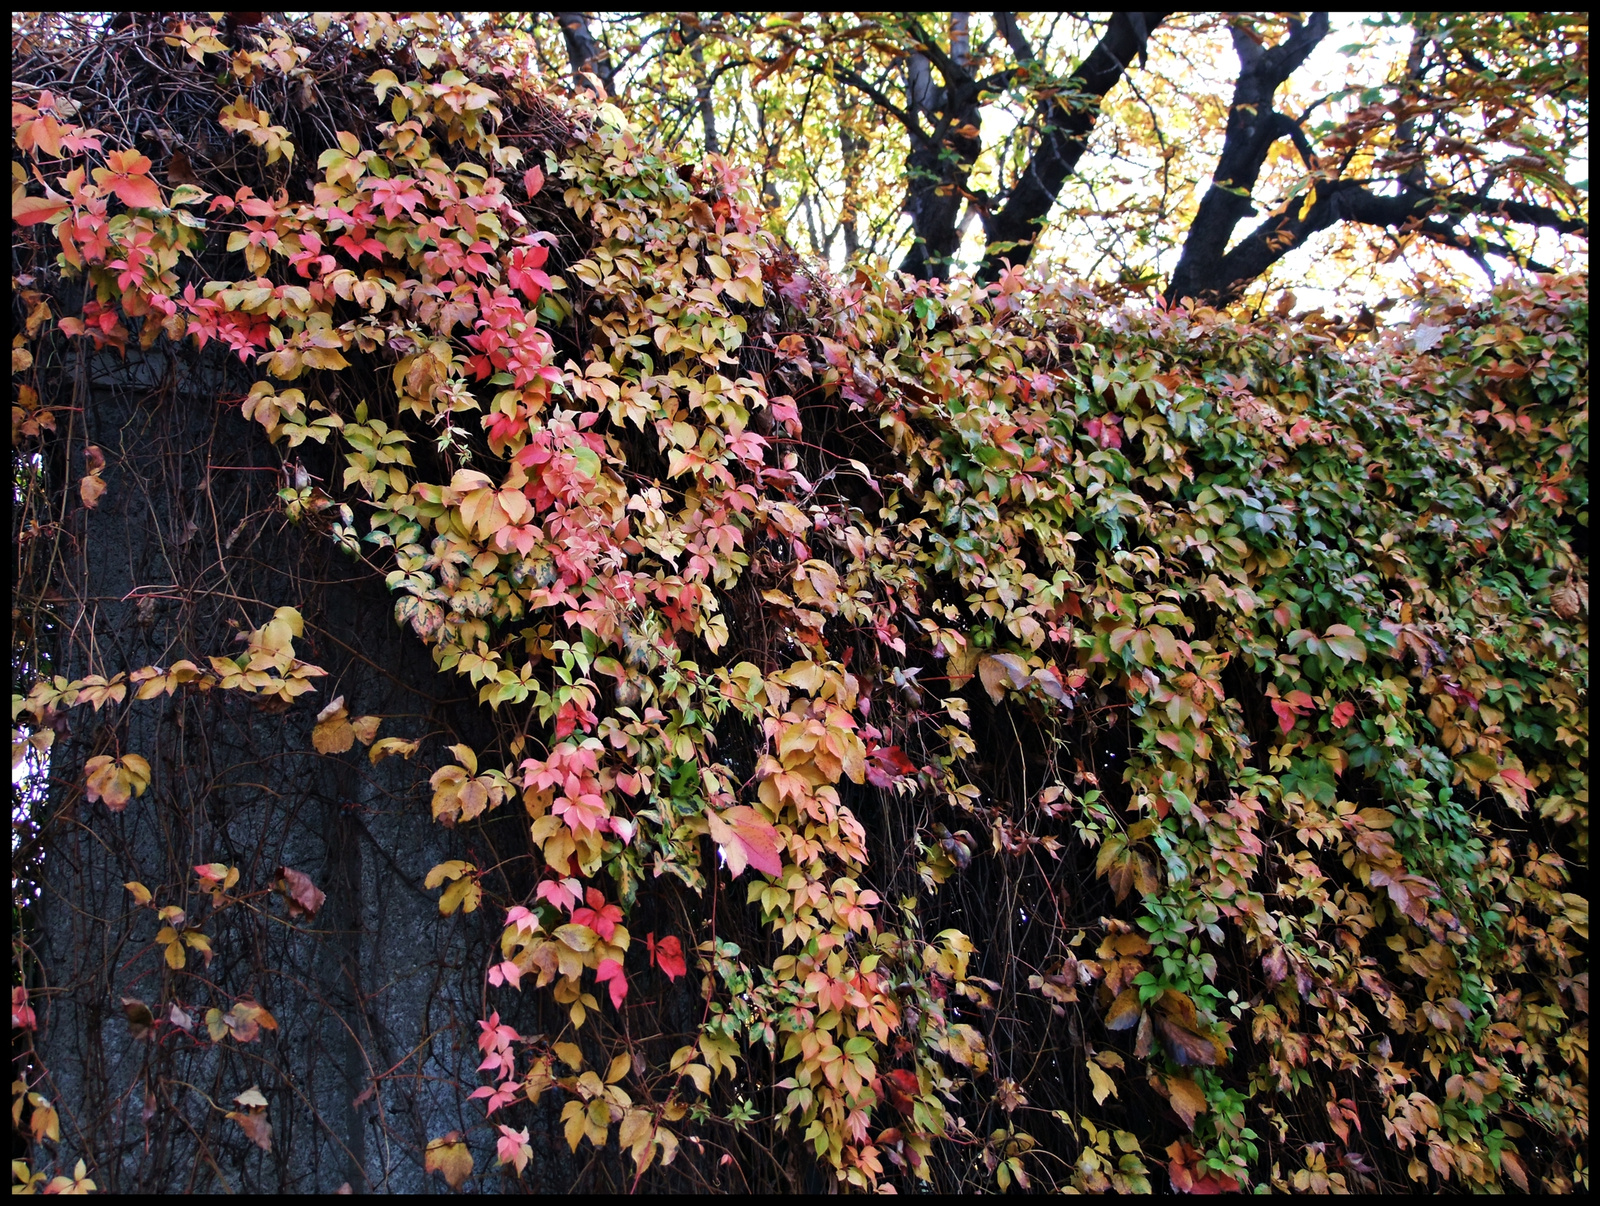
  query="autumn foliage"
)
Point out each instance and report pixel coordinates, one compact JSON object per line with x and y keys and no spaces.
{"x":1099,"y":747}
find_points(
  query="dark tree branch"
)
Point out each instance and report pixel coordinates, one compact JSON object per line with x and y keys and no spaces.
{"x":953,"y":73}
{"x":1515,"y":211}
{"x":1067,"y":124}
{"x":1253,"y":127}
{"x":1006,"y":23}
{"x":708,"y":117}
{"x":940,"y":161}
{"x":1451,"y":237}
{"x":1352,"y":201}
{"x":585,"y":54}
{"x":1290,"y":129}
{"x":878,"y":97}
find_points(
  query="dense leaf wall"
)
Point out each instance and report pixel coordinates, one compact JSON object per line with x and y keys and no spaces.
{"x":1069,"y":745}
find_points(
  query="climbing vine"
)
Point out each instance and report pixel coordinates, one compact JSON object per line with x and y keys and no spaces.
{"x":1288,"y":617}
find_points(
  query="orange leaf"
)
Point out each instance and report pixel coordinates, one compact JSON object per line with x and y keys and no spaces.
{"x":26,"y":211}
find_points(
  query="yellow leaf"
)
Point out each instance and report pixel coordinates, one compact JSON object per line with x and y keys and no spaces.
{"x":700,"y":1074}
{"x":389,"y":746}
{"x":453,"y":869}
{"x":636,"y":1133}
{"x":1101,"y":1083}
{"x":573,"y":1120}
{"x":569,"y":1054}
{"x":449,"y":1157}
{"x":464,"y":894}
{"x":333,"y":733}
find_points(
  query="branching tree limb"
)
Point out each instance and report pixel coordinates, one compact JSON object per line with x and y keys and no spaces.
{"x":584,"y":52}
{"x":1253,"y":127}
{"x":1210,"y":270}
{"x":1354,"y":201}
{"x":1067,"y":122}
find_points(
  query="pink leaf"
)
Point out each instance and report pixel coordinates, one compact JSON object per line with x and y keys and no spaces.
{"x":512,"y":1147}
{"x":21,"y":1012}
{"x":506,"y":972}
{"x":610,"y":970}
{"x":746,"y":840}
{"x":563,"y":893}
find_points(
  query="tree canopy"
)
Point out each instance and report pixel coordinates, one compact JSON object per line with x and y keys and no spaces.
{"x":1188,"y":152}
{"x":843,"y":725}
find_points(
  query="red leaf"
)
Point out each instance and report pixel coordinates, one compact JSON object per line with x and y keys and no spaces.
{"x":533,"y":180}
{"x":599,"y":916}
{"x":1285,"y":715}
{"x":902,"y":1088}
{"x":667,"y":954}
{"x":1342,"y":712}
{"x":127,"y":175}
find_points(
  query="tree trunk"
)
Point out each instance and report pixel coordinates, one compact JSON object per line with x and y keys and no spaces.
{"x":376,"y":996}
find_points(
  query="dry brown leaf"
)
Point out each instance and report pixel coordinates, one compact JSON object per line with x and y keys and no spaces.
{"x":1186,"y":1098}
{"x":304,"y":897}
{"x":91,"y":488}
{"x":255,"y":1127}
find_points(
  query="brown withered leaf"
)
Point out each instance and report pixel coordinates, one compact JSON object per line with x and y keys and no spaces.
{"x":90,"y":489}
{"x":1001,"y":670}
{"x":255,"y":1126}
{"x":1124,"y":1011}
{"x":304,"y":897}
{"x":1185,"y":1097}
{"x":366,"y":728}
{"x":1185,"y":1046}
{"x":140,"y":1020}
{"x":1145,"y":1041}
{"x":180,"y":170}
